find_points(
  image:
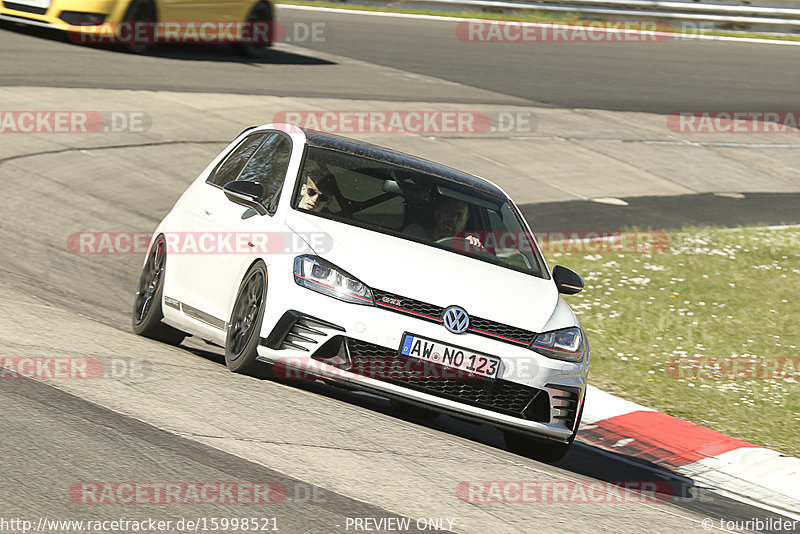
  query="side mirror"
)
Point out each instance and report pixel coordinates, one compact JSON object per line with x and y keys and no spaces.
{"x":247,"y":194}
{"x":568,"y":282}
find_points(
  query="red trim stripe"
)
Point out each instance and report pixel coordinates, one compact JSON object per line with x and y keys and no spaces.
{"x":498,"y":335}
{"x":331,"y":287}
{"x":408,"y":311}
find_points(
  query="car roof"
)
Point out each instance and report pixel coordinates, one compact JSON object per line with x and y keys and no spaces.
{"x":369,"y":151}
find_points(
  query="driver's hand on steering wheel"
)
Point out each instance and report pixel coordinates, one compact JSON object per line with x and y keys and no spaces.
{"x":474,"y":241}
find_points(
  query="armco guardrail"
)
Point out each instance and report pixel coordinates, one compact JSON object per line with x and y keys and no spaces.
{"x":714,"y":15}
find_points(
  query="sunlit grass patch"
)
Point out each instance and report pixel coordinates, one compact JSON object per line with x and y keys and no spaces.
{"x":708,"y":330}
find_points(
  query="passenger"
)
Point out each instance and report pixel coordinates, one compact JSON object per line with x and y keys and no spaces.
{"x":316,"y":193}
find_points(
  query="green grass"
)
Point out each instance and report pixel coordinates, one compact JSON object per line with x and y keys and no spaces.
{"x":713,"y":293}
{"x":544,"y":17}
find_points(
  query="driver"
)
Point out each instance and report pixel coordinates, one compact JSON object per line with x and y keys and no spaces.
{"x":450,"y":218}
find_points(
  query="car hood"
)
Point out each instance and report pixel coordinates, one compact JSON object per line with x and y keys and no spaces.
{"x":425,"y":273}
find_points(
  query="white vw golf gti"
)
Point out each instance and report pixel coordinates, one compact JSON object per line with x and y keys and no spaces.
{"x":316,"y":256}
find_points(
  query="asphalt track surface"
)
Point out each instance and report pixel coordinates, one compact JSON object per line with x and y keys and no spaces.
{"x":673,"y":212}
{"x":660,"y":77}
{"x":187,"y":418}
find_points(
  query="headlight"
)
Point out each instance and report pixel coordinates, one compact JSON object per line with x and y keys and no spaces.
{"x":568,"y":344}
{"x":319,"y":275}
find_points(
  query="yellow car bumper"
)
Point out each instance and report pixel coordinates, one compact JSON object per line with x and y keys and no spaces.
{"x":90,"y":21}
{"x":67,"y":15}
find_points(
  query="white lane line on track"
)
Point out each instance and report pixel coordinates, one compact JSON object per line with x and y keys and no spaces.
{"x":683,"y":36}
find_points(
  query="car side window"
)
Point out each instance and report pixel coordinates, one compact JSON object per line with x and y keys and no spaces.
{"x":268,"y":166}
{"x":229,"y":169}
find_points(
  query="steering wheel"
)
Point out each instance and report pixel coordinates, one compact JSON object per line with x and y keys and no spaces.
{"x":460,"y":244}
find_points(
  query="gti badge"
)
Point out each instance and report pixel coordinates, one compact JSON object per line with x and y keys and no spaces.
{"x":455,"y":319}
{"x":394,"y":302}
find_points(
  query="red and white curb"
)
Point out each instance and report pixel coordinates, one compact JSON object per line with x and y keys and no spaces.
{"x":710,"y":458}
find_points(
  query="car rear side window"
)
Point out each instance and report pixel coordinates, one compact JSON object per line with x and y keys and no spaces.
{"x":229,"y":169}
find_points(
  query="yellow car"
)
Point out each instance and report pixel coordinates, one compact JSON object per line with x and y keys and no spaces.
{"x":138,"y":24}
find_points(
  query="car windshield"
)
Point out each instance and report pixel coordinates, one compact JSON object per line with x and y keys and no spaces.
{"x":417,"y":206}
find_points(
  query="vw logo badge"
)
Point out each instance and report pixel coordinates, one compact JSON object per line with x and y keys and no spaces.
{"x":455,"y":319}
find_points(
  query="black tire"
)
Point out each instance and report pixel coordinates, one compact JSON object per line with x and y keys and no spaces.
{"x":261,"y":12}
{"x":147,"y":312}
{"x":539,"y":449}
{"x":244,"y":327}
{"x":141,"y":12}
{"x":414,"y":411}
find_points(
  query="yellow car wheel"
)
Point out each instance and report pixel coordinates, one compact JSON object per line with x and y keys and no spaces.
{"x":141,"y":12}
{"x":261,"y":13}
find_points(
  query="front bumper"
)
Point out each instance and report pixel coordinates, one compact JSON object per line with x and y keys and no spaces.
{"x":357,"y":346}
{"x":50,"y":17}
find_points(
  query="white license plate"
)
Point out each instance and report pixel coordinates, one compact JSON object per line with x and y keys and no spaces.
{"x":449,"y":356}
{"x":44,"y":4}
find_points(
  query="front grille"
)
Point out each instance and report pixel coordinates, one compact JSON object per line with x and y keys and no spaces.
{"x":25,"y":9}
{"x":501,"y":332}
{"x":408,"y":306}
{"x":80,"y":18}
{"x":497,"y":395}
{"x":431,"y":313}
